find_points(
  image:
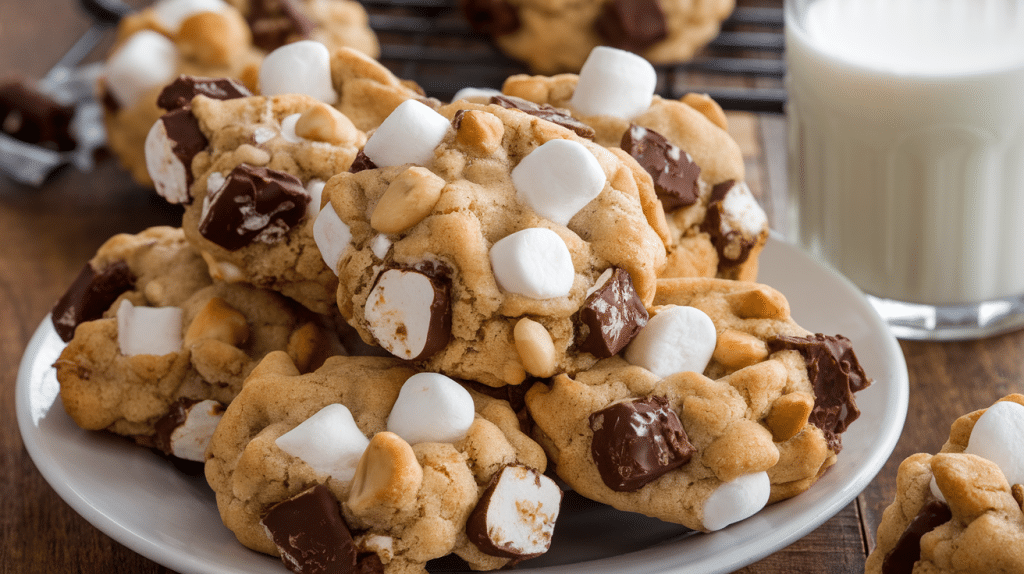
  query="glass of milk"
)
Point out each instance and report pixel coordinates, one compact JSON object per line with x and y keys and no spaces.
{"x":906,"y":156}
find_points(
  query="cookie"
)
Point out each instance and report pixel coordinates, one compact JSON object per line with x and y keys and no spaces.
{"x":959,"y":511}
{"x":403,"y":466}
{"x":721,"y":405}
{"x":169,"y":340}
{"x":210,"y":38}
{"x":717,"y":227}
{"x":552,"y":36}
{"x":469,"y":240}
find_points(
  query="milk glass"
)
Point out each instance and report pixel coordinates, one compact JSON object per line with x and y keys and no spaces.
{"x":906,"y":156}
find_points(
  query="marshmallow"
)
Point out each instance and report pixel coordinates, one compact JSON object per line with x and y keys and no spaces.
{"x":558,"y":179}
{"x":676,"y":340}
{"x":614,"y":83}
{"x":332,"y":236}
{"x":741,"y":212}
{"x":409,"y":313}
{"x":171,"y":13}
{"x":380,"y":245}
{"x":999,"y":437}
{"x":329,"y":442}
{"x":315,"y":189}
{"x":515,"y":517}
{"x":302,"y":67}
{"x":169,"y":174}
{"x":190,"y":439}
{"x":148,"y":330}
{"x":736,"y":500}
{"x":534,"y":262}
{"x":431,"y":408}
{"x":288,"y":129}
{"x":147,"y":60}
{"x":476,"y":95}
{"x":408,"y":135}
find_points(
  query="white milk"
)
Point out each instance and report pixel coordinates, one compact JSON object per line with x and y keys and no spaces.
{"x":907,"y":144}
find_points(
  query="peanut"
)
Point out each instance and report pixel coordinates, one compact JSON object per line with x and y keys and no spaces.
{"x":535,"y":347}
{"x":214,"y":38}
{"x":788,"y":415}
{"x":708,"y":107}
{"x":758,"y":302}
{"x":219,"y":321}
{"x":480,"y":132}
{"x":388,"y":477}
{"x":409,"y":198}
{"x":323,"y":123}
{"x":736,"y":349}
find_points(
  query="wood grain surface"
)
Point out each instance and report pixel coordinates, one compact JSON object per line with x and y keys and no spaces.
{"x":48,"y":233}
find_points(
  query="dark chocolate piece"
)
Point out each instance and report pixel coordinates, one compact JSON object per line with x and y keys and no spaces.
{"x":633,"y":25}
{"x":33,"y":117}
{"x":491,"y":17}
{"x":275,"y":23}
{"x":907,"y":551}
{"x":836,"y":375}
{"x":361,"y":162}
{"x":180,"y":92}
{"x":613,"y":314}
{"x":255,"y":203}
{"x":636,"y":441}
{"x":672,"y":169}
{"x":186,"y":138}
{"x":733,"y":247}
{"x":89,"y":296}
{"x":545,"y":112}
{"x":311,"y":534}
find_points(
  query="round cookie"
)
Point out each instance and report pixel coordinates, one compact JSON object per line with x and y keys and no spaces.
{"x":959,"y":511}
{"x":754,"y":420}
{"x":140,"y":368}
{"x":553,"y":36}
{"x":210,"y":38}
{"x":474,"y":253}
{"x":356,"y":436}
{"x":717,"y":229}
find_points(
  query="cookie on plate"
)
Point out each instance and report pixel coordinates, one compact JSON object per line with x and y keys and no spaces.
{"x":470,"y":239}
{"x":168,"y":340}
{"x":720,"y":405}
{"x":960,"y":511}
{"x":402,"y":467}
{"x":717,"y":227}
{"x":553,"y":36}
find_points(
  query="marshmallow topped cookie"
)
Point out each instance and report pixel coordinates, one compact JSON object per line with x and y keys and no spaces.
{"x":471,"y":239}
{"x":962,"y":510}
{"x":748,"y":409}
{"x":717,"y":227}
{"x":353,"y":446}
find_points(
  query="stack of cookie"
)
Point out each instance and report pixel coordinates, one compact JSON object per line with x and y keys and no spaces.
{"x":551,"y":287}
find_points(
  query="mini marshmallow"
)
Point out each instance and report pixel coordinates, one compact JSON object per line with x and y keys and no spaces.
{"x":148,"y":330}
{"x":558,"y":179}
{"x":380,"y":245}
{"x":171,"y":13}
{"x":431,"y":408}
{"x":288,"y":129}
{"x":615,"y":83}
{"x":741,"y":211}
{"x":999,"y":437}
{"x":169,"y":174}
{"x":190,"y":439}
{"x":315,"y":189}
{"x":476,"y":95}
{"x":534,"y":262}
{"x":332,"y":236}
{"x":676,"y":340}
{"x":736,"y":500}
{"x":302,"y":67}
{"x":329,"y":442}
{"x":408,"y":135}
{"x":147,"y":60}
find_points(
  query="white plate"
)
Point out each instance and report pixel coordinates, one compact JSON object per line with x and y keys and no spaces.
{"x":139,"y":500}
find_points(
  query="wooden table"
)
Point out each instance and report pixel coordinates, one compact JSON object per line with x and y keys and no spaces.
{"x":48,"y":233}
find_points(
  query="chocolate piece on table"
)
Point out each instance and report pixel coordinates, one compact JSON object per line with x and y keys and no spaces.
{"x":254,"y":204}
{"x":361,"y":162}
{"x":388,"y":313}
{"x":613,"y":315}
{"x":672,"y":169}
{"x":907,"y":551}
{"x":89,"y":296}
{"x":180,"y":92}
{"x":636,"y":441}
{"x":493,"y":17}
{"x":836,"y":375}
{"x":633,"y":25}
{"x":545,"y":112}
{"x":28,"y":115}
{"x":274,"y":23}
{"x":733,"y":246}
{"x":311,"y":534}
{"x":515,"y":516}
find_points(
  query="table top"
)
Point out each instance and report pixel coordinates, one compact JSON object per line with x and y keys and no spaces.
{"x":49,"y":232}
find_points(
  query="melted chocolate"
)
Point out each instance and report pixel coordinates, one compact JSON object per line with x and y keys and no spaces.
{"x":180,"y":92}
{"x":545,"y":112}
{"x":492,"y":17}
{"x":613,"y":314}
{"x":187,"y":139}
{"x":361,"y":162}
{"x":311,"y":534}
{"x":712,"y":225}
{"x":673,"y":171}
{"x":907,"y":551}
{"x":633,"y":25}
{"x":275,"y":23}
{"x":89,"y":296}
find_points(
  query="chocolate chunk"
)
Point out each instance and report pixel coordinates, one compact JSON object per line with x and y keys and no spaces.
{"x":311,"y":534}
{"x":515,"y":516}
{"x":613,"y":314}
{"x":633,"y":25}
{"x":31,"y":116}
{"x":492,"y":17}
{"x":180,"y":92}
{"x":733,"y":246}
{"x":907,"y":551}
{"x":275,"y":23}
{"x":186,"y":138}
{"x":361,"y":162}
{"x":637,"y":441}
{"x":545,"y":112}
{"x":174,"y":418}
{"x":89,"y":296}
{"x":254,"y":204}
{"x":672,"y":169}
{"x":835,"y":373}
